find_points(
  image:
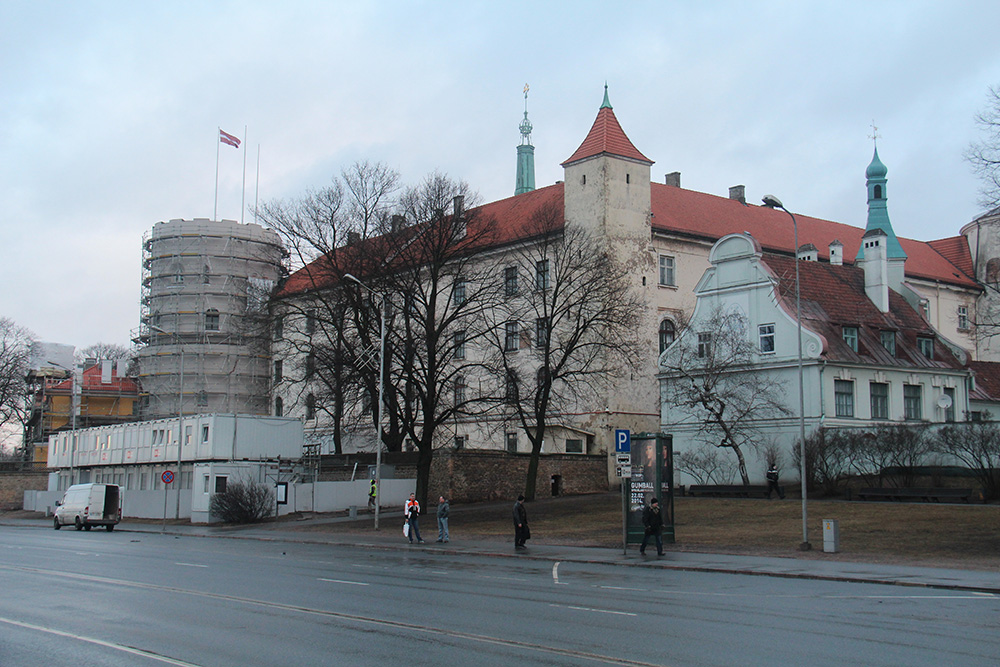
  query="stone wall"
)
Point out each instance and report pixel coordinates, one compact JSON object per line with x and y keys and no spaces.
{"x":14,"y":484}
{"x":479,"y":475}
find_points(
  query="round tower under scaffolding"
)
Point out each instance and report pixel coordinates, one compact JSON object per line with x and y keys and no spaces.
{"x":203,"y":332}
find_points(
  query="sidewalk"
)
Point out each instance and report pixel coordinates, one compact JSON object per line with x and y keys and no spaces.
{"x":977,"y":581}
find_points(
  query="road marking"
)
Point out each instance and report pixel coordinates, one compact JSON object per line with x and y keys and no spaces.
{"x":100,"y":642}
{"x":342,"y":581}
{"x":599,"y":611}
{"x":342,"y":616}
{"x":190,"y":565}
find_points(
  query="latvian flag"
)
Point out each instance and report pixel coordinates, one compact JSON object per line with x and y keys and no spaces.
{"x":227,"y":138}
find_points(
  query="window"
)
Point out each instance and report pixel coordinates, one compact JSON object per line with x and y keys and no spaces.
{"x":512,"y":336}
{"x":204,"y":486}
{"x":204,"y":433}
{"x":211,"y":320}
{"x":458,"y":292}
{"x":926,"y":346}
{"x":143,"y":481}
{"x":511,"y":439}
{"x":963,"y":317}
{"x":911,"y":401}
{"x":542,"y":274}
{"x":850,"y":335}
{"x":220,"y":483}
{"x":310,"y":321}
{"x":277,"y":371}
{"x":202,"y":399}
{"x":766,"y":333}
{"x":459,"y":442}
{"x":889,"y":341}
{"x":879,"y":399}
{"x":667,"y":271}
{"x":310,"y":406}
{"x":925,"y":310}
{"x":279,"y":407}
{"x":510,"y":280}
{"x":541,"y":332}
{"x":510,"y":387}
{"x":458,"y":344}
{"x":574,"y":446}
{"x":704,"y":345}
{"x":542,"y":376}
{"x":667,"y":333}
{"x":310,"y":364}
{"x":460,"y":388}
{"x":843,"y":392}
{"x":949,"y":412}
{"x":279,"y":327}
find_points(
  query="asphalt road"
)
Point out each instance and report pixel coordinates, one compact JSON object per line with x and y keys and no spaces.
{"x":97,"y":598}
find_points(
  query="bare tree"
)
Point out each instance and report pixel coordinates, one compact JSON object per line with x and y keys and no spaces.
{"x":977,"y":446}
{"x":565,"y":335}
{"x":333,"y":332}
{"x":15,"y":348}
{"x":984,"y":155}
{"x":712,"y":377}
{"x":106,"y":351}
{"x":706,"y":465}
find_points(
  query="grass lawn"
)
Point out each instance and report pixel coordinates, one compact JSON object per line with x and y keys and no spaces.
{"x":932,"y":534}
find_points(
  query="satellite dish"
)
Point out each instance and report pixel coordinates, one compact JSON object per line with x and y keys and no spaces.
{"x":944,"y":401}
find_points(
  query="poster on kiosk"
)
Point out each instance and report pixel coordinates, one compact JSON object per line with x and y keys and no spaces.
{"x":652,"y":476}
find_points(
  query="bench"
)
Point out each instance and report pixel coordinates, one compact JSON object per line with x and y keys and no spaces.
{"x":926,"y":494}
{"x":728,"y":490}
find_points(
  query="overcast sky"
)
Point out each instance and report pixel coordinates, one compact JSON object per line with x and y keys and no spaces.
{"x":109,"y":113}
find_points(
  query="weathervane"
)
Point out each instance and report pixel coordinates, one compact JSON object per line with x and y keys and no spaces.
{"x":874,"y":136}
{"x":525,"y":126}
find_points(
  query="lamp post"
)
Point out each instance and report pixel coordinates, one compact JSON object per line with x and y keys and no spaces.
{"x":381,"y":393}
{"x":180,"y":414}
{"x":773,"y":202}
{"x":74,"y":407}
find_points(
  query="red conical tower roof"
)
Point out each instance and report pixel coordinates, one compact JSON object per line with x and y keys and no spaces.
{"x":606,"y":136}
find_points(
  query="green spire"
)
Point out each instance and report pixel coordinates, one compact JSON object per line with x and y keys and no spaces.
{"x":607,"y":102}
{"x":525,"y":179}
{"x":878,"y":208}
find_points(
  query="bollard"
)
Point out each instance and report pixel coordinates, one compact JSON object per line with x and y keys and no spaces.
{"x":831,"y":536}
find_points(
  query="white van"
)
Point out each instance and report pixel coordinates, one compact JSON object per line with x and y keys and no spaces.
{"x":87,"y":505}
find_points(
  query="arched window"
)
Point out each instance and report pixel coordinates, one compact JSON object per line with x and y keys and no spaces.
{"x":211,"y":320}
{"x":667,"y":332}
{"x":993,"y":270}
{"x":878,"y":192}
{"x":279,"y":407}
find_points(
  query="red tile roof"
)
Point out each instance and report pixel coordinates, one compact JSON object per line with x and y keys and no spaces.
{"x":710,"y":217}
{"x":606,"y":136}
{"x":90,"y":382}
{"x":987,"y":380}
{"x":956,"y":250}
{"x":834,"y":297}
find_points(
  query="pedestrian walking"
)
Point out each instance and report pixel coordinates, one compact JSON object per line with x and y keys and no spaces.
{"x":442,"y":514}
{"x":372,"y":494}
{"x":412,"y":513}
{"x":772,"y":482}
{"x":521,"y":530}
{"x":652,"y":521}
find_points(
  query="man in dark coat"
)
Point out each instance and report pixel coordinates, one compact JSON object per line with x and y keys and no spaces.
{"x":521,"y":531}
{"x":772,"y":482}
{"x":652,"y":521}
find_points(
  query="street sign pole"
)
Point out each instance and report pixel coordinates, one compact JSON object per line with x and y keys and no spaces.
{"x":623,"y":466}
{"x":166,"y":477}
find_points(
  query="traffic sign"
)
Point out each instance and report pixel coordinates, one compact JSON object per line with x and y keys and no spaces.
{"x":167,"y":476}
{"x":624,"y":459}
{"x":623,"y":471}
{"x":623,"y":440}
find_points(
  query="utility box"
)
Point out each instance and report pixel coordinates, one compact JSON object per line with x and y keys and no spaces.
{"x":831,"y":536}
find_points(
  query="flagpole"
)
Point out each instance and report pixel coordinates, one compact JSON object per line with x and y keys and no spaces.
{"x":243,"y":193}
{"x":256,"y":191}
{"x":215,"y":212}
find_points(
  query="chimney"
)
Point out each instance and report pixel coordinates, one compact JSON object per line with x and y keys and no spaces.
{"x":807,"y":253}
{"x":457,"y":202}
{"x":876,"y":267}
{"x":673,"y":179}
{"x":739,"y":193}
{"x":397,"y":222}
{"x":353,"y":238}
{"x":836,"y":253}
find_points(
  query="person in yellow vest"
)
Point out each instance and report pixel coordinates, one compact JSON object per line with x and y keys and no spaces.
{"x":372,"y":494}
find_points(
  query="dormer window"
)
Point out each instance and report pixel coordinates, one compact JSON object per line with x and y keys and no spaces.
{"x":850,"y":335}
{"x":926,"y":346}
{"x":889,"y":342}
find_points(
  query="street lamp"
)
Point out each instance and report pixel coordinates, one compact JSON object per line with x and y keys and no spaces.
{"x":773,"y":202}
{"x":180,"y":417}
{"x":381,"y":394}
{"x":74,"y":407}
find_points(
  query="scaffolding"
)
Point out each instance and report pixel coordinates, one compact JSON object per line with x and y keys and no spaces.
{"x":204,"y":289}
